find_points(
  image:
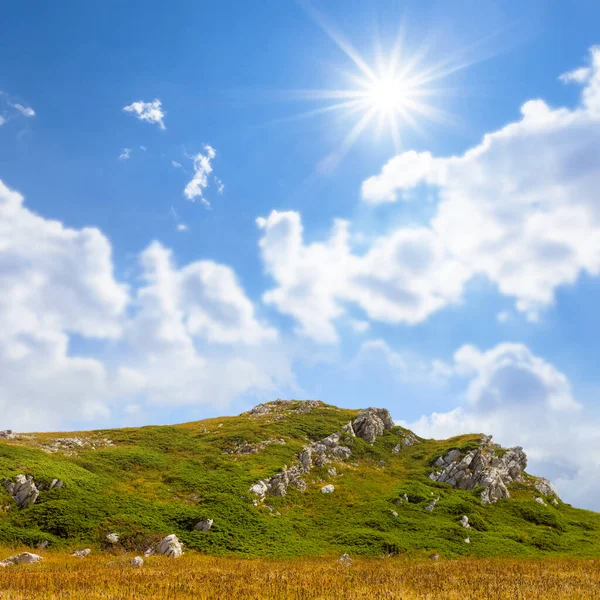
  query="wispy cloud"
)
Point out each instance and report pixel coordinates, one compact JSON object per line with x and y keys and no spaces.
{"x":202,"y":169}
{"x":26,"y":111}
{"x":125,"y":154}
{"x":151,"y":112}
{"x":176,"y":164}
{"x":220,"y":185}
{"x":182,"y":227}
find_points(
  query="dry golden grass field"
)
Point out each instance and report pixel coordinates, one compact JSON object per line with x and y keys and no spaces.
{"x":194,"y":576}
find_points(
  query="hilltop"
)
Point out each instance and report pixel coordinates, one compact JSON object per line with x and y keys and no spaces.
{"x":288,"y":478}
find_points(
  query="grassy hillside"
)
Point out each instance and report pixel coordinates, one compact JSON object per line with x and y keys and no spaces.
{"x":144,"y":483}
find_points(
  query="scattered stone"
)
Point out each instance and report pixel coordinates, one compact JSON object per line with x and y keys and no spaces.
{"x":345,"y":560}
{"x":555,"y":501}
{"x":481,"y":467}
{"x":72,"y":445}
{"x":81,"y":553}
{"x":394,"y":513}
{"x":42,"y":545}
{"x":397,"y":448}
{"x":112,"y":538}
{"x":23,"y":491}
{"x":327,"y":489}
{"x":371,"y":423}
{"x":434,"y":556}
{"x":138,"y":561}
{"x":464,"y":521}
{"x":405,"y":496}
{"x":249,"y":448}
{"x":150,"y":552}
{"x":540,"y":501}
{"x":170,"y":546}
{"x":349,"y":429}
{"x":431,"y":506}
{"x":204,"y":525}
{"x":260,"y":488}
{"x":382,"y":463}
{"x":332,"y":471}
{"x":410,"y":439}
{"x":25,"y":558}
{"x":467,"y":541}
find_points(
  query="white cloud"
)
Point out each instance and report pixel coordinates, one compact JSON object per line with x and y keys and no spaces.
{"x":523,"y":400}
{"x":176,"y":164}
{"x":187,"y":335}
{"x":504,"y":316}
{"x":521,"y":207}
{"x":220,"y":185}
{"x":55,"y":282}
{"x":182,"y":227}
{"x":202,"y":169}
{"x":2,"y":120}
{"x":125,"y":154}
{"x":402,"y":278}
{"x":151,"y":112}
{"x":580,"y":75}
{"x":359,"y":326}
{"x":26,"y":111}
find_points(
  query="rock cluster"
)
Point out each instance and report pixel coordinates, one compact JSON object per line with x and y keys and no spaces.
{"x":7,"y":434}
{"x":431,"y":505}
{"x":81,"y":553}
{"x":24,"y":490}
{"x":371,"y":423}
{"x":249,"y":448}
{"x":170,"y":546}
{"x":112,"y":538}
{"x":25,"y":558}
{"x":368,"y":424}
{"x":482,"y":467}
{"x":71,"y":445}
{"x":464,"y":521}
{"x":278,"y":406}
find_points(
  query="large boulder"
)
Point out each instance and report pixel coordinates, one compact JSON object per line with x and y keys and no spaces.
{"x":24,"y":490}
{"x":488,"y":466}
{"x":25,"y":558}
{"x":371,"y":423}
{"x":170,"y":546}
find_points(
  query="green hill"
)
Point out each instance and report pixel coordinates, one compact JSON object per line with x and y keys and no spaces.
{"x":144,"y":483}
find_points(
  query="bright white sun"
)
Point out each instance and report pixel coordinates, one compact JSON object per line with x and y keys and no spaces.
{"x":386,"y":94}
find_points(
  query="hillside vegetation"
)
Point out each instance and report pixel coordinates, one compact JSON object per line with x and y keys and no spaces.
{"x":144,"y":483}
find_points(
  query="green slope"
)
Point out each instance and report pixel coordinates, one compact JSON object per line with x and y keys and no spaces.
{"x":152,"y":481}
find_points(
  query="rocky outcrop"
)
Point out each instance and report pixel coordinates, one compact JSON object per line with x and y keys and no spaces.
{"x":371,"y":423}
{"x":24,"y":490}
{"x":279,"y":407}
{"x":488,"y":466}
{"x":540,"y":501}
{"x":7,"y":434}
{"x":545,"y":487}
{"x":81,"y":553}
{"x":137,"y":561}
{"x":250,"y":448}
{"x":170,"y":546}
{"x":25,"y":558}
{"x":204,"y":525}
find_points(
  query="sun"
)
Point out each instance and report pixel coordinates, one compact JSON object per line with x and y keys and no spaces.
{"x":397,"y":91}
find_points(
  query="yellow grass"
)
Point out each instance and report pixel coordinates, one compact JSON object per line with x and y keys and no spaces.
{"x":198,"y":577}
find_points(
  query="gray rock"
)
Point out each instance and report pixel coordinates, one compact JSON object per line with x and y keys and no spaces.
{"x":137,"y":561}
{"x":260,"y":488}
{"x":345,"y":560}
{"x":81,"y":553}
{"x":349,"y":429}
{"x":481,"y":467}
{"x":23,"y":491}
{"x":170,"y":546}
{"x":410,"y":439}
{"x":464,"y":521}
{"x":25,"y":558}
{"x":204,"y":525}
{"x":540,"y":501}
{"x":431,"y":506}
{"x":371,"y":423}
{"x":397,"y":448}
{"x":394,"y":513}
{"x":545,"y":487}
{"x":7,"y":434}
{"x":112,"y":538}
{"x":467,"y":541}
{"x":327,"y":489}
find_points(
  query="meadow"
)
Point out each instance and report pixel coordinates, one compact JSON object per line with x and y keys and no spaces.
{"x":196,"y":576}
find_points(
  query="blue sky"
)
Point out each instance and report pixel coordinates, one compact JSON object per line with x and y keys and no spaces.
{"x":459,"y":287}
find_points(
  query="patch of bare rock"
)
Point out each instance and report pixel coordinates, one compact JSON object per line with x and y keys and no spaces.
{"x":369,"y":424}
{"x":489,"y":466}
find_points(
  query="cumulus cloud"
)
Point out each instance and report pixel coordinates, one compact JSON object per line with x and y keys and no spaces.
{"x":521,"y":207}
{"x":402,"y":278}
{"x":199,"y":182}
{"x":187,"y":335}
{"x":55,"y":282}
{"x":523,"y":400}
{"x":151,"y":112}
